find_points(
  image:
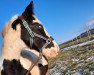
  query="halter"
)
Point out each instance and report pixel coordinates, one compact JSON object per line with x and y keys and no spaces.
{"x":32,"y":35}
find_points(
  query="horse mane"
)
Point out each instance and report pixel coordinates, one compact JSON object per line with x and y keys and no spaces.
{"x":8,"y":24}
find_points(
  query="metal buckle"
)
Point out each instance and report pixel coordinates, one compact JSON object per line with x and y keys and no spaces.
{"x":48,"y":41}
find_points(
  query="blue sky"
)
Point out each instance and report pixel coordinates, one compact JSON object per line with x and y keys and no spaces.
{"x":63,"y":19}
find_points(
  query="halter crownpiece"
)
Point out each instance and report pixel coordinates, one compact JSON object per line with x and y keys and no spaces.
{"x":32,"y":35}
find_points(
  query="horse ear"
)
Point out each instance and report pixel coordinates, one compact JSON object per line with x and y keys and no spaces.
{"x":27,"y":14}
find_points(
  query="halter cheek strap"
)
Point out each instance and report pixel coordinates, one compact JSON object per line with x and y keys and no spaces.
{"x":32,"y":35}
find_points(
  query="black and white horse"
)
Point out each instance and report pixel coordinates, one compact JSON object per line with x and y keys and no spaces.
{"x":17,"y":41}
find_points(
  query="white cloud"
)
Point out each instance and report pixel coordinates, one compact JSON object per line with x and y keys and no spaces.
{"x":89,"y":25}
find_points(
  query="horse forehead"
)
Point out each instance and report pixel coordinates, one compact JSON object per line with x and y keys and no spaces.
{"x":38,"y":21}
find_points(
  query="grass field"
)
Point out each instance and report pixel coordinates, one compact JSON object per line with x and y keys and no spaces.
{"x":76,"y":60}
{"x":76,"y":41}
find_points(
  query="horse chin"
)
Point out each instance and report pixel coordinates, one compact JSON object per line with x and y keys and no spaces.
{"x":51,"y":52}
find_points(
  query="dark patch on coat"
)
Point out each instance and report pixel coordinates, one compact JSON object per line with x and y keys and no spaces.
{"x":13,"y":67}
{"x":43,"y":69}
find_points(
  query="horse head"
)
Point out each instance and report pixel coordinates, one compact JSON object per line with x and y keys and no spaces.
{"x":51,"y":50}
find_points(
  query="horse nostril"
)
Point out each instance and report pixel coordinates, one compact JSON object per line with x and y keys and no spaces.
{"x":39,"y":65}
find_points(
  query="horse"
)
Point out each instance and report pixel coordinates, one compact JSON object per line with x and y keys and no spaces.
{"x":16,"y":37}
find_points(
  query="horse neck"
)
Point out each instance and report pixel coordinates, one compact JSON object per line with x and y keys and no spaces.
{"x":12,"y":45}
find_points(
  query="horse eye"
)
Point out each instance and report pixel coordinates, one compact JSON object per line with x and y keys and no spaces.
{"x":40,"y":26}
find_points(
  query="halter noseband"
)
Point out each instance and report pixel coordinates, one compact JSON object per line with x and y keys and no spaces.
{"x":32,"y":35}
